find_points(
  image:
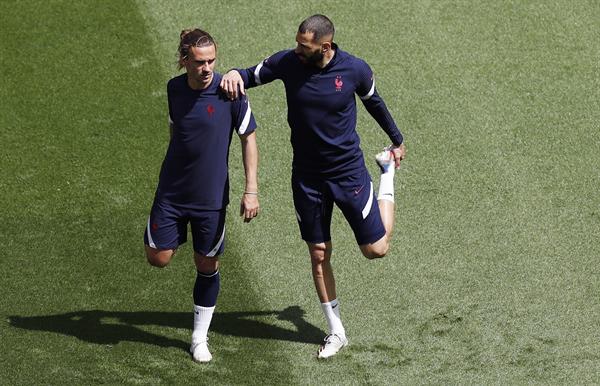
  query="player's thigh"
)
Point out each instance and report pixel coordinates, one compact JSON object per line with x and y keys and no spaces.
{"x":208,"y":232}
{"x":166,"y":228}
{"x":313,"y":205}
{"x":355,"y":197}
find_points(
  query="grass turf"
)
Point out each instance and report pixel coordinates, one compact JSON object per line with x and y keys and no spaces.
{"x":493,"y":274}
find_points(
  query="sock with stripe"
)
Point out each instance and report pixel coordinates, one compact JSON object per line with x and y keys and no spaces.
{"x":386,"y":185}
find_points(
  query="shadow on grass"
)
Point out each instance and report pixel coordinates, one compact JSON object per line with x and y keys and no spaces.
{"x":112,"y":327}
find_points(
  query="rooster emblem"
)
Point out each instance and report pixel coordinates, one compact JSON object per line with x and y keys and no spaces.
{"x":338,"y":83}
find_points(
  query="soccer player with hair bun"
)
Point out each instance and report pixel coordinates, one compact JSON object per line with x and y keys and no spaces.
{"x":193,"y":186}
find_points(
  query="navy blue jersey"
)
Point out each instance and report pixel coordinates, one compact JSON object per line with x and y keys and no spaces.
{"x":322,"y":109}
{"x":195,"y":173}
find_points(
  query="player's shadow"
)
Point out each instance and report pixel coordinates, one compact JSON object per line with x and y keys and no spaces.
{"x":112,"y":327}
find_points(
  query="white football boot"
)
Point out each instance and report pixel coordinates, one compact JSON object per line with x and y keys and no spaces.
{"x":385,"y":159}
{"x":331,"y":345}
{"x":199,"y":351}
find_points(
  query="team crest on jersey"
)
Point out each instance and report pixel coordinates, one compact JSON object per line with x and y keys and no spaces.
{"x":210,"y":109}
{"x":338,"y":83}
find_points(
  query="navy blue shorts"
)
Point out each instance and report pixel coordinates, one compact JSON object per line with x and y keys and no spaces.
{"x":354,"y":195}
{"x":167,"y":228}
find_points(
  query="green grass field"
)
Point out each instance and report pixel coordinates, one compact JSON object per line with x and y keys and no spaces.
{"x":493,"y":277}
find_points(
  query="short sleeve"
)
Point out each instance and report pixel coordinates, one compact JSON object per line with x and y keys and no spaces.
{"x":243,"y":118}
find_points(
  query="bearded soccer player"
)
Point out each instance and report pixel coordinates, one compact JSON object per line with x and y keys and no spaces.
{"x":328,"y":166}
{"x":193,"y":185}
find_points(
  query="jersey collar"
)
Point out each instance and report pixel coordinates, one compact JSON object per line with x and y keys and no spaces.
{"x":336,"y":56}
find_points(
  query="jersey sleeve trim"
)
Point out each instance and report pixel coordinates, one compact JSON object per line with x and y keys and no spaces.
{"x":257,"y":73}
{"x":245,"y":121}
{"x":370,"y":93}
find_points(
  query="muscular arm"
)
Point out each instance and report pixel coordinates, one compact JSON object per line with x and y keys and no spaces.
{"x":249,"y":206}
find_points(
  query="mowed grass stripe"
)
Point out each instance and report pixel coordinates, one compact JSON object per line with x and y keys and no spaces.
{"x":70,"y":190}
{"x":84,"y":131}
{"x":74,"y":192}
{"x":486,"y":234}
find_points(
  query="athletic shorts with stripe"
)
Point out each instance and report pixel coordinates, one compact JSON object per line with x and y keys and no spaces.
{"x":314,"y":198}
{"x":167,"y":228}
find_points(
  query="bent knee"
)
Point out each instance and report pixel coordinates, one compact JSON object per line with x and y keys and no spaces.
{"x":158,"y":258}
{"x":158,"y":262}
{"x":375,"y":251}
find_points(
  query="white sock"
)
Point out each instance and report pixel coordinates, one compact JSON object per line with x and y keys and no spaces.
{"x":386,"y":185}
{"x":202,"y":318}
{"x":332,"y":315}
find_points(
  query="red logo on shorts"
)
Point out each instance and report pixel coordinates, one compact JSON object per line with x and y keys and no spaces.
{"x":338,"y":83}
{"x":210,"y":110}
{"x":154,"y":226}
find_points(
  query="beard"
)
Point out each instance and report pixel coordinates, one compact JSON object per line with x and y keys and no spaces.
{"x":312,"y":59}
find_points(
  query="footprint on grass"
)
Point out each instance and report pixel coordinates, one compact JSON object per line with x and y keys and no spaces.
{"x":381,"y":355}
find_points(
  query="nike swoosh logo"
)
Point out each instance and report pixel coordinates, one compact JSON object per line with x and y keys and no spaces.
{"x":356,"y":191}
{"x":332,"y":307}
